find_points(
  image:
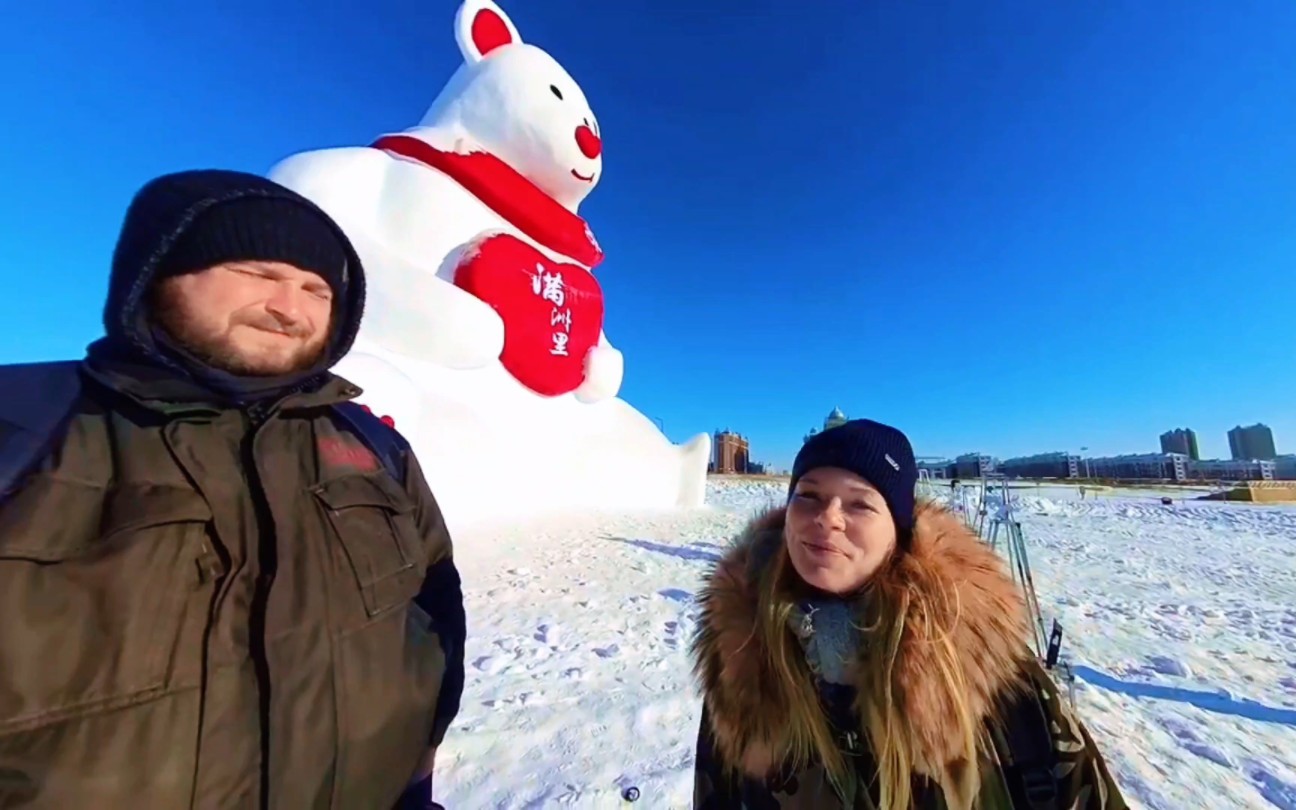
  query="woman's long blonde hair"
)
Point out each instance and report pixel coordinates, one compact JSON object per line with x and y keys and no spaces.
{"x":889,"y":606}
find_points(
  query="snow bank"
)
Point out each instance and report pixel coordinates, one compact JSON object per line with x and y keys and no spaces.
{"x":1179,"y":618}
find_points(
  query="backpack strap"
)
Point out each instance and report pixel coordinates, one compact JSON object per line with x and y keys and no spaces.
{"x":38,"y":402}
{"x":383,"y":441}
{"x":1029,"y":762}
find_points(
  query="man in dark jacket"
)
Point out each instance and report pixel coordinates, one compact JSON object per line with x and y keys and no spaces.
{"x":212,"y":592}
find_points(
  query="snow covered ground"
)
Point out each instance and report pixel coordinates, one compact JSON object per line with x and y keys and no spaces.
{"x":1181,"y":621}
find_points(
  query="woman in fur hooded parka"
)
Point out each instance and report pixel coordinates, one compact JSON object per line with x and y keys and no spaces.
{"x":858,"y":650}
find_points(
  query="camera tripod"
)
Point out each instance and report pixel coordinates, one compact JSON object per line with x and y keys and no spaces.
{"x":996,"y":520}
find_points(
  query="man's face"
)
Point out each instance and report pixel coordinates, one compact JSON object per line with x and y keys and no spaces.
{"x":248,"y":318}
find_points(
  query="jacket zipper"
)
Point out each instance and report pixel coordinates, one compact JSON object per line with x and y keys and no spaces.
{"x":267,"y":565}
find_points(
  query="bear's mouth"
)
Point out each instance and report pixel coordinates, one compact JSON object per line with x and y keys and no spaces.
{"x":582,"y":177}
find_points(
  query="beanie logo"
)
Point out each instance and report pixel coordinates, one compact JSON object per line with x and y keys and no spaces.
{"x":892,"y":462}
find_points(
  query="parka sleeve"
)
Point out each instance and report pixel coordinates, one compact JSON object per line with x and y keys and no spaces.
{"x":440,"y":596}
{"x":1083,"y":779}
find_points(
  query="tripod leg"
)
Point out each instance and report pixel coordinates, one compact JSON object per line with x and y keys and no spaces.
{"x":1028,"y":587}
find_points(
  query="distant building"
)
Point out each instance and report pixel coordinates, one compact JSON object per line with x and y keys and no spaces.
{"x":834,"y":419}
{"x":1149,"y":466}
{"x":1178,"y":467}
{"x":1254,"y":442}
{"x":1285,"y":467}
{"x":730,"y":453}
{"x":1042,"y":465}
{"x":1180,"y":440}
{"x":1234,"y":470}
{"x":935,"y":466}
{"x":974,"y":465}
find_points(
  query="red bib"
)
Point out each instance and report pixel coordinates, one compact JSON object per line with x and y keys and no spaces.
{"x":552,"y":311}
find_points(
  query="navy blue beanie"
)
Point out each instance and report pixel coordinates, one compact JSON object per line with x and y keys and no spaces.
{"x":878,"y":453}
{"x":262,"y":228}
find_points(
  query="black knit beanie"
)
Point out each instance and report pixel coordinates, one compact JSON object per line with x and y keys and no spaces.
{"x":270,"y":229}
{"x":878,"y":453}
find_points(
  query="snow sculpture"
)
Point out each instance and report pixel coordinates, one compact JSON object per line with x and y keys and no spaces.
{"x":483,"y":334}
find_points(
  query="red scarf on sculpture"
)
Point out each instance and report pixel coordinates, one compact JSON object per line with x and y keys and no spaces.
{"x":508,"y":194}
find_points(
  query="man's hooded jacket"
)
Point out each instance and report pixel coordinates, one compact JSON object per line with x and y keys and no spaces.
{"x":212,"y":594}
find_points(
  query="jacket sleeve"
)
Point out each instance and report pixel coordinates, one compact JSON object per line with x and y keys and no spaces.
{"x":441,"y":597}
{"x":1083,"y":780}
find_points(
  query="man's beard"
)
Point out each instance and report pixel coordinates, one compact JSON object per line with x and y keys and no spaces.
{"x":217,"y":350}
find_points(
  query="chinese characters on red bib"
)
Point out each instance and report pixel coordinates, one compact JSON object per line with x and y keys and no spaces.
{"x":552,"y":311}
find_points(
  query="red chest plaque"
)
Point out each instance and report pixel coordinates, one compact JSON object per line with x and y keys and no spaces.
{"x":552,"y":311}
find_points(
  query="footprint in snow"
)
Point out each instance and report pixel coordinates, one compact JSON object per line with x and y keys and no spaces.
{"x":1278,"y":793}
{"x":548,"y":634}
{"x":1192,"y":744}
{"x":610,"y":651}
{"x":674,"y":631}
{"x":1164,"y":665}
{"x":490,"y":664}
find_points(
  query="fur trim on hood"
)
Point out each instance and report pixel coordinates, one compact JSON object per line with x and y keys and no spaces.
{"x":972,"y":599}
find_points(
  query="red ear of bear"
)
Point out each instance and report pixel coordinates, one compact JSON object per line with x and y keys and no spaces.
{"x":489,"y":31}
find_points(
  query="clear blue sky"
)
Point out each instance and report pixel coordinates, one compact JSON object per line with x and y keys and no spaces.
{"x":1008,"y":227}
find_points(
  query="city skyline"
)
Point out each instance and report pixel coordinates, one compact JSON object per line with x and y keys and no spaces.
{"x":1187,"y":435}
{"x":1227,"y":452}
{"x":1183,"y":441}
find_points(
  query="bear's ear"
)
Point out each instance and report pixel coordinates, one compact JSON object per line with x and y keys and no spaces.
{"x":480,"y":28}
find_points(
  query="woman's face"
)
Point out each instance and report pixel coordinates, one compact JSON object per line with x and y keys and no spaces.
{"x":838,"y":530}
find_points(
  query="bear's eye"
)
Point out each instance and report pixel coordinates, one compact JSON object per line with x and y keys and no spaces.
{"x":554,"y":89}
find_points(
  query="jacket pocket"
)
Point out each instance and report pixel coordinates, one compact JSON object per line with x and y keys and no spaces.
{"x":92,"y":588}
{"x":373,"y":521}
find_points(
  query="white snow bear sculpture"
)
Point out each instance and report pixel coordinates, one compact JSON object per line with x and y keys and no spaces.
{"x":482,"y":335}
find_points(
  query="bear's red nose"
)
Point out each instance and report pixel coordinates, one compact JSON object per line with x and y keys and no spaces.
{"x":589,"y":143}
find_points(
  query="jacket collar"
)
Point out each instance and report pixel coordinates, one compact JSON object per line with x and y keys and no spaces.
{"x":159,"y":391}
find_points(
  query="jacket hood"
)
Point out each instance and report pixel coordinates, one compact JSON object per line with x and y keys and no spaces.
{"x":160,"y":213}
{"x":972,"y":601}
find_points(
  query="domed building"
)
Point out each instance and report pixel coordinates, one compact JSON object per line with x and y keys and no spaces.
{"x":834,"y":418}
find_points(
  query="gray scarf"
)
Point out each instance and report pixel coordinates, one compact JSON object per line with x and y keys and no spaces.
{"x":829,"y":636}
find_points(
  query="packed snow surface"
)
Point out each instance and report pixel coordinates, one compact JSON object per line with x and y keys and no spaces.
{"x":1180,"y":621}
